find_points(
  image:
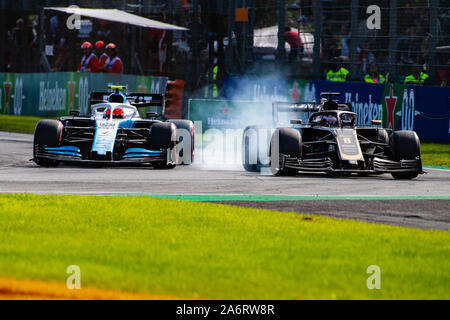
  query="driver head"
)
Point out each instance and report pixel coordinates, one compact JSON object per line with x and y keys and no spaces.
{"x":118,"y":113}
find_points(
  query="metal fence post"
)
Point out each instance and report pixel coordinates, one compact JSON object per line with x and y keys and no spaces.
{"x":434,"y":5}
{"x":244,"y":35}
{"x":317,"y":37}
{"x":281,"y":26}
{"x":392,"y":41}
{"x":133,"y":50}
{"x":3,"y":31}
{"x":195,"y":50}
{"x":41,"y":36}
{"x":354,"y":40}
{"x":229,"y":50}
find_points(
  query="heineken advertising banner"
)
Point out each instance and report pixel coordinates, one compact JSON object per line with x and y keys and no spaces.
{"x":54,"y":94}
{"x":229,"y":114}
{"x":424,"y":109}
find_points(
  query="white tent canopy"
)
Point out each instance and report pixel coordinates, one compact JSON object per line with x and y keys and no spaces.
{"x":117,"y":16}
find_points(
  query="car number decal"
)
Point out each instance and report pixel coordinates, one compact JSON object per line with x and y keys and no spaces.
{"x":348,"y":144}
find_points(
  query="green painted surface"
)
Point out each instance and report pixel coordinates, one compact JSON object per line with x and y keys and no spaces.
{"x":243,"y":197}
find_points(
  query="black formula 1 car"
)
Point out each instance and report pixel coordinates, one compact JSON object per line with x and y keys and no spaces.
{"x":114,"y":133}
{"x":324,"y":138}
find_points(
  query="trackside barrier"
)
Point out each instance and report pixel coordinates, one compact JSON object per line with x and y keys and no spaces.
{"x":425,"y":109}
{"x":54,"y":94}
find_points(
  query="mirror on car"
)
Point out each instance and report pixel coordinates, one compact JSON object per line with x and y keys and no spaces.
{"x":376,"y":122}
{"x":151,"y":115}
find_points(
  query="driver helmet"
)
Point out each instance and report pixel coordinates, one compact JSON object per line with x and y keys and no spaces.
{"x":329,"y":120}
{"x":107,"y":113}
{"x":118,"y":113}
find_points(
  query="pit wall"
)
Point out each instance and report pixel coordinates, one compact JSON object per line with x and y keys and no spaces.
{"x":424,"y":109}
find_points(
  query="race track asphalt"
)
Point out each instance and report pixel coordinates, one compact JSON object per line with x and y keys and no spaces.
{"x":431,"y":211}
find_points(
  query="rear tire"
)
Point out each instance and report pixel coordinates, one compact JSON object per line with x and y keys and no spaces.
{"x":184,"y":127}
{"x":289,"y":142}
{"x":162,"y":136}
{"x":405,"y":146}
{"x":48,"y":133}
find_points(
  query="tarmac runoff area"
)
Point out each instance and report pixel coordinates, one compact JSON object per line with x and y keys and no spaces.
{"x":423,"y":202}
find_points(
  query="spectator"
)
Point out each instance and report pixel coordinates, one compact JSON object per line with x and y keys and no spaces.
{"x":61,"y":51}
{"x":337,"y":72}
{"x":22,"y":39}
{"x":365,"y":57}
{"x":417,"y":76}
{"x":104,"y":32}
{"x":114,"y":64}
{"x":89,"y":62}
{"x":345,"y":42}
{"x":443,"y":70}
{"x":101,"y":55}
{"x":329,"y":47}
{"x":409,"y":46}
{"x":54,"y":29}
{"x":373,"y":76}
{"x":294,"y":41}
{"x":423,"y":56}
{"x":213,"y":80}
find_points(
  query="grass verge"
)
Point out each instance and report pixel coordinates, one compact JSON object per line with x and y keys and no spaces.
{"x":201,"y":250}
{"x":19,"y":124}
{"x":435,"y":154}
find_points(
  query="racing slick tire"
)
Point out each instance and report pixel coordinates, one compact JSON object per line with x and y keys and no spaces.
{"x":162,"y":136}
{"x":289,"y":142}
{"x":405,"y":146}
{"x":251,"y":160}
{"x":47,"y":133}
{"x":185,"y":130}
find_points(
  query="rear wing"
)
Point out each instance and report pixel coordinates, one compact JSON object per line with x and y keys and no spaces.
{"x":98,"y":97}
{"x":304,"y":109}
{"x":331,"y":104}
{"x":139,"y":100}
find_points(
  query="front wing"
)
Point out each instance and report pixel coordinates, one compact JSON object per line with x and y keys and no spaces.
{"x":72,"y":155}
{"x":326,"y":164}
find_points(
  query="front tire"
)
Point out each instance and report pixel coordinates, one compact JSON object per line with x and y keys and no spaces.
{"x":162,"y":136}
{"x":48,"y":133}
{"x":405,"y":146}
{"x":285,"y":141}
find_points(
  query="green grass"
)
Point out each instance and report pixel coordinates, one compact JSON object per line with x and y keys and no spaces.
{"x":203,"y":250}
{"x":20,"y":124}
{"x":433,"y":154}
